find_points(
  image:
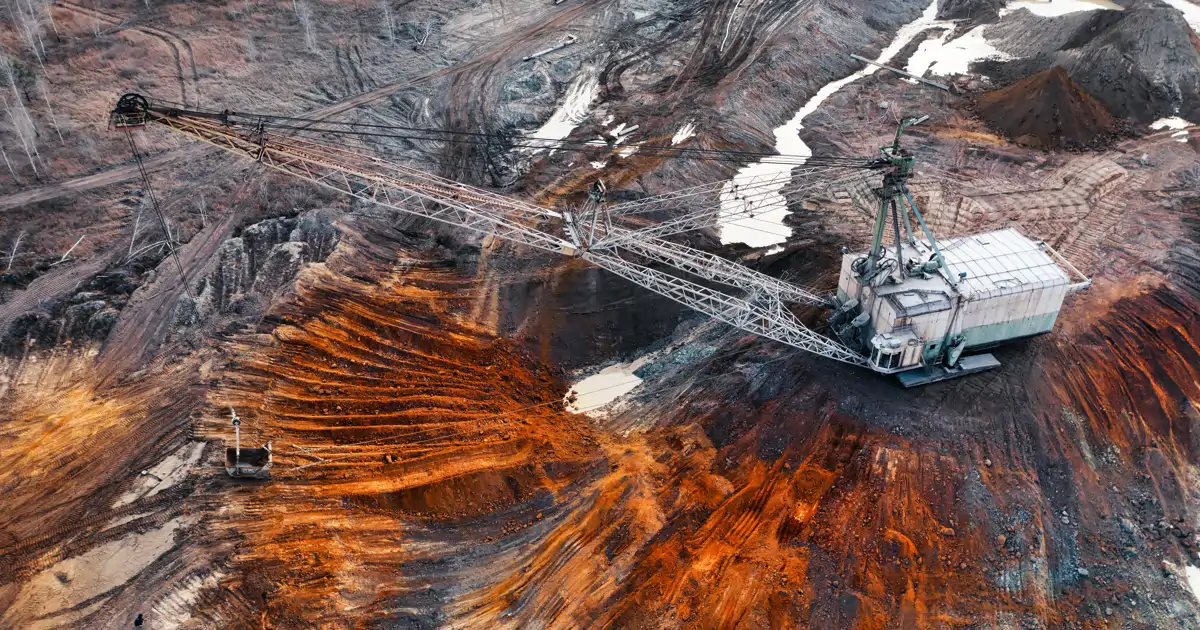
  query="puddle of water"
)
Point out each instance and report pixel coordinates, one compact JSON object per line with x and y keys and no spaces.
{"x":755,"y":188}
{"x":574,"y":109}
{"x":600,"y":389}
{"x":1055,"y":8}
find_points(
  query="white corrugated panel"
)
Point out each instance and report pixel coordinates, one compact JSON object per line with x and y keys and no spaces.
{"x":1000,"y":263}
{"x":1009,"y":278}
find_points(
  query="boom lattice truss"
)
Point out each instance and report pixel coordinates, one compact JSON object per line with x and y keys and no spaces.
{"x":608,"y":238}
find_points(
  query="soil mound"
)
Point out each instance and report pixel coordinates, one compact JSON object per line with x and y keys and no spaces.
{"x":1142,"y":63}
{"x":1047,"y":110}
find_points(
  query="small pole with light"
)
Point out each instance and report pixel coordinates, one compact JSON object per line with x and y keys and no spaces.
{"x":237,"y":437}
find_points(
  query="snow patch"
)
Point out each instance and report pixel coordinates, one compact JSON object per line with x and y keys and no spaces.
{"x":940,"y":57}
{"x":1193,"y":579}
{"x":685,"y":132}
{"x":1174,"y":122}
{"x":755,"y":189}
{"x":1055,"y":8}
{"x":1191,"y":13}
{"x":600,"y":389}
{"x":574,"y":109}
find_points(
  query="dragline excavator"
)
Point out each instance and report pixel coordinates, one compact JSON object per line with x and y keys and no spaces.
{"x":914,"y":310}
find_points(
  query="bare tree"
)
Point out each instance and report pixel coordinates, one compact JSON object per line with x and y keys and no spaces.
{"x":30,"y":17}
{"x":304,"y":15}
{"x":22,"y":126}
{"x":68,"y":252}
{"x":9,"y":164}
{"x":387,"y":21}
{"x":50,"y":111}
{"x":18,"y":116}
{"x":13,"y":252}
{"x":202,"y":206}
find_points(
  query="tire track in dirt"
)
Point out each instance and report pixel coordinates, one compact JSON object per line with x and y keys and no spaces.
{"x":46,"y":288}
{"x":174,"y":42}
{"x":127,"y":172}
{"x":485,"y":457}
{"x":472,"y":86}
{"x":68,"y":456}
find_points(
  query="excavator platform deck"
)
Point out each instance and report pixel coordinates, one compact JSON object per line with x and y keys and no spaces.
{"x":932,"y":374}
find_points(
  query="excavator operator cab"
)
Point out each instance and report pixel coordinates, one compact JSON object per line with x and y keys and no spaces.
{"x":597,"y":191}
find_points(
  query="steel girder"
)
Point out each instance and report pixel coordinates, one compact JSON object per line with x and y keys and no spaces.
{"x":761,"y":314}
{"x":412,"y":191}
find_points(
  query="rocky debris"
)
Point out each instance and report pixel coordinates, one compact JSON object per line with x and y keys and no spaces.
{"x":975,"y":10}
{"x":1023,"y":34}
{"x":1048,"y":111}
{"x":252,"y":267}
{"x":1142,"y":63}
{"x":88,"y":314}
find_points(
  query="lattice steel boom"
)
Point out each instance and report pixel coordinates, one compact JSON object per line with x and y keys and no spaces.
{"x":761,"y":311}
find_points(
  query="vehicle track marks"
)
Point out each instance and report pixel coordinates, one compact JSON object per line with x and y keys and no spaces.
{"x":181,"y":49}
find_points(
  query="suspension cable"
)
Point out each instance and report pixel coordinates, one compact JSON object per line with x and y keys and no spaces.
{"x":486,"y":139}
{"x":162,"y":220}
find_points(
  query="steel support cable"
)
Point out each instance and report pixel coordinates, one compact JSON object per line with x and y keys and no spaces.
{"x":318,"y":126}
{"x":367,"y":166}
{"x":771,"y":320}
{"x":418,"y":431}
{"x":745,"y":214}
{"x":404,"y":189}
{"x":717,"y":269}
{"x":643,"y":150}
{"x":313,"y":125}
{"x":729,"y":191}
{"x":704,"y":207}
{"x":460,"y":433}
{"x":325,"y":166}
{"x":162,"y":220}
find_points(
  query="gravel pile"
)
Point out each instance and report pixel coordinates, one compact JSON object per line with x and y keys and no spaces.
{"x":1047,"y":110}
{"x":1142,"y":63}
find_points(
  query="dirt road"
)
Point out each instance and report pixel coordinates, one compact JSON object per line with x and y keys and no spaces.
{"x":128,"y":172}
